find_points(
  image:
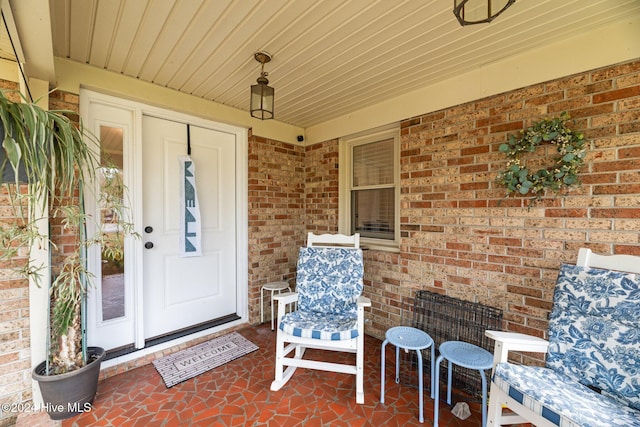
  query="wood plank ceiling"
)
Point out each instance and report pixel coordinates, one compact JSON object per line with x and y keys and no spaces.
{"x":330,"y":57}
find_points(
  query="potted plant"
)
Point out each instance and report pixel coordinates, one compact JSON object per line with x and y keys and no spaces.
{"x":46,"y":164}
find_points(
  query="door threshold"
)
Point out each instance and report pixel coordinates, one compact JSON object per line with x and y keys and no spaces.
{"x":122,"y":351}
{"x":190,"y":330}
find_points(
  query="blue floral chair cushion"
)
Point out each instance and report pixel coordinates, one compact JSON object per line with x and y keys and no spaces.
{"x":320,"y":326}
{"x":594,"y":331}
{"x":594,"y":344}
{"x":329,"y":282}
{"x":561,"y":400}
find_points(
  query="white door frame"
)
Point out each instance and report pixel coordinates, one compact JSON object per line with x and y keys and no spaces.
{"x":134,"y":184}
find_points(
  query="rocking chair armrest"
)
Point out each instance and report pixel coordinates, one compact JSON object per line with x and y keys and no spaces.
{"x":363,"y":301}
{"x":286,"y":297}
{"x":514,"y":341}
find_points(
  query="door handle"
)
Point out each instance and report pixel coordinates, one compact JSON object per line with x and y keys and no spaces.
{"x":148,"y":229}
{"x":148,"y":245}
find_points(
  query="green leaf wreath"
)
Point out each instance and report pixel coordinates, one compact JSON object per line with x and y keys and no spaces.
{"x":564,"y":173}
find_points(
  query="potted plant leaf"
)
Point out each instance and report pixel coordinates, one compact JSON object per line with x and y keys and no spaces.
{"x":46,"y":165}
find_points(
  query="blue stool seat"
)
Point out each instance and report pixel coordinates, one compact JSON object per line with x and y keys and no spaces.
{"x":468,"y":356}
{"x":408,"y":338}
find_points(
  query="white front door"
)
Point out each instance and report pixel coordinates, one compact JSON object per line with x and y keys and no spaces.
{"x":153,"y":292}
{"x":182,"y":292}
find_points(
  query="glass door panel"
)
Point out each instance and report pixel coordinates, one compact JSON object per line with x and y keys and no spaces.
{"x":112,"y":259}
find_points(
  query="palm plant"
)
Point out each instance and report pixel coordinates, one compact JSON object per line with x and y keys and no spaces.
{"x":55,"y":159}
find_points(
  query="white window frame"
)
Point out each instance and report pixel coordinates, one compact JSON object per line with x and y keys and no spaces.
{"x":345,"y":161}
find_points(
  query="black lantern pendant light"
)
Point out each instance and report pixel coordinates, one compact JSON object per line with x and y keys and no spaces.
{"x":471,"y":12}
{"x":261,"y":106}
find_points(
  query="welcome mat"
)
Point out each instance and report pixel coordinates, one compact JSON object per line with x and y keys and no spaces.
{"x":193,"y":361}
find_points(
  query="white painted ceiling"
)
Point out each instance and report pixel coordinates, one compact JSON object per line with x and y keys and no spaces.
{"x":330,"y":57}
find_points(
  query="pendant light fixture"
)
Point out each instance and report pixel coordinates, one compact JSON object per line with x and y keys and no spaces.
{"x":471,"y":12}
{"x":261,"y":106}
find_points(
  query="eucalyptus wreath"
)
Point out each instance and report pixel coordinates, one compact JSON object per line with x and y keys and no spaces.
{"x":570,"y":146}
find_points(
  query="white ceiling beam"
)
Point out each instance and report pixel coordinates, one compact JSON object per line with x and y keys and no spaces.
{"x":33,"y":32}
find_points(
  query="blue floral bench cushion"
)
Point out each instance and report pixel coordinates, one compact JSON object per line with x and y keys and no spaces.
{"x":329,"y":282}
{"x":560,"y":400}
{"x":594,"y":330}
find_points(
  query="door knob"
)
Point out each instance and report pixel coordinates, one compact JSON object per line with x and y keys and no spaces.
{"x":148,"y":229}
{"x":148,"y":245}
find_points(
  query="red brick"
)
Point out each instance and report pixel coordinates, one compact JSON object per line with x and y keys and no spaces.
{"x":506,"y":127}
{"x":616,"y":189}
{"x":628,"y":250}
{"x":632,"y":152}
{"x":474,"y":168}
{"x":590,"y":88}
{"x":613,"y":95}
{"x":630,"y":127}
{"x":620,"y":165}
{"x":408,"y":123}
{"x":615,"y":213}
{"x":566,"y":213}
{"x":544,"y":99}
{"x":595,"y":110}
{"x":501,"y":241}
{"x":474,"y":186}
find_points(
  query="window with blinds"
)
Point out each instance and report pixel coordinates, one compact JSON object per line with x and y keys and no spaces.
{"x":373,"y":189}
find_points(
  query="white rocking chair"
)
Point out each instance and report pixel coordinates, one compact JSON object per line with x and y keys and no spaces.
{"x":330,"y":309}
{"x":592,"y":368}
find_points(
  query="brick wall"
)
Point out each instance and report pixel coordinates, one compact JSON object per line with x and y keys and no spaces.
{"x":292,"y":190}
{"x":460,"y":236}
{"x":15,"y":357}
{"x":276,"y":215}
{"x":65,"y":239}
{"x":321,"y":187}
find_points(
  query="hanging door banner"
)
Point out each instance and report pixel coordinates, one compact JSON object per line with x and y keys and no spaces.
{"x":190,"y":224}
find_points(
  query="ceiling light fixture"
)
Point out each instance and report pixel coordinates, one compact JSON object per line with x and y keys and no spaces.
{"x":262,"y":100}
{"x":471,"y":12}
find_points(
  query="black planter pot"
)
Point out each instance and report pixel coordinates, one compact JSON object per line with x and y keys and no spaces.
{"x":67,"y":395}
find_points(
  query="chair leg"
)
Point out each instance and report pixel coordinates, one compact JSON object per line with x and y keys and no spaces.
{"x":272,"y":292}
{"x":282,"y":375}
{"x":432,"y":373}
{"x":360,"y":369}
{"x":261,"y":306}
{"x":436,"y":397}
{"x":397,"y":365}
{"x":279,"y":356}
{"x":484,"y":398}
{"x":449,"y":376}
{"x":420,"y":387}
{"x":382,"y":372}
{"x":495,"y":407}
